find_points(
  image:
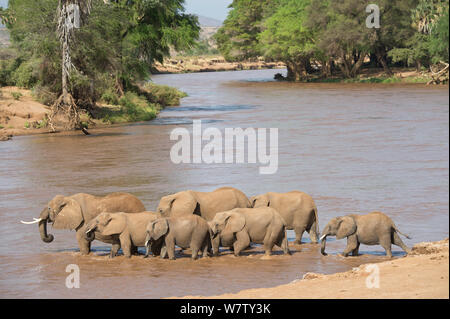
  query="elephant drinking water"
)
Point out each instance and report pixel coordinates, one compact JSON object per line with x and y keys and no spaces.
{"x":74,"y":212}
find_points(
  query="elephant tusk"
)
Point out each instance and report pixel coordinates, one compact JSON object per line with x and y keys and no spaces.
{"x":146,"y":243}
{"x":321,"y":238}
{"x":36,"y":220}
{"x":88,"y":231}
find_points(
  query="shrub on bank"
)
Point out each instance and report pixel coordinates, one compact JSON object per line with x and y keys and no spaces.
{"x":43,"y":95}
{"x":162,"y":94}
{"x":132,"y":108}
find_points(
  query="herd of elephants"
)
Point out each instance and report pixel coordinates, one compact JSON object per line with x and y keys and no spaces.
{"x":205,"y":221}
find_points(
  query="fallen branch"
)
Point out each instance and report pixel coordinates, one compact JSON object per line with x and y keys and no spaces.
{"x":441,"y":76}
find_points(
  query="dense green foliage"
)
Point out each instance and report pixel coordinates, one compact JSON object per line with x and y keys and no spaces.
{"x":111,"y":53}
{"x":238,"y":38}
{"x":329,"y":36}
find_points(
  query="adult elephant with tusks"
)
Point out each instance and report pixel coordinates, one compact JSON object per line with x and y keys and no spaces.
{"x":74,"y":212}
{"x":204,"y":204}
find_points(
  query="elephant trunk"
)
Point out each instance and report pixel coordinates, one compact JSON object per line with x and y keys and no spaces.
{"x":324,"y":242}
{"x":47,"y":238}
{"x":90,"y":235}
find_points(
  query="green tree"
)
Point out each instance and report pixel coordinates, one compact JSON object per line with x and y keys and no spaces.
{"x":341,"y":31}
{"x":440,"y":39}
{"x":114,"y":49}
{"x":287,"y":39}
{"x":237,"y":39}
{"x":429,"y":43}
{"x":394,"y":29}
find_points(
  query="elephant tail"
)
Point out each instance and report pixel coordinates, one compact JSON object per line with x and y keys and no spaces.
{"x":398,"y":231}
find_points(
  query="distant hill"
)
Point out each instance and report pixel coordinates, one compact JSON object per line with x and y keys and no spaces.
{"x":209,"y":22}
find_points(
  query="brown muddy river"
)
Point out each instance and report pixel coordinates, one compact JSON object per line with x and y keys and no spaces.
{"x":354,"y":148}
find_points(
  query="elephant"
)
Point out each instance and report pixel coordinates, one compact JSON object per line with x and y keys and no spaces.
{"x":186,"y":232}
{"x":298,"y":210}
{"x":74,"y":212}
{"x":370,"y":229}
{"x":204,"y":204}
{"x":127,"y":230}
{"x":241,"y":226}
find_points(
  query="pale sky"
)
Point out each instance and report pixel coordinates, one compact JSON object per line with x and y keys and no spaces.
{"x":216,"y":9}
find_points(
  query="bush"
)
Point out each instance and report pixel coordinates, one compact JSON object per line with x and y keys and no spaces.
{"x":42,"y":123}
{"x":24,"y":76}
{"x":163,"y":94}
{"x":16,"y":95}
{"x":44,"y":95}
{"x":110,"y":97}
{"x":137,"y":108}
{"x":7,"y":67}
{"x":82,"y":89}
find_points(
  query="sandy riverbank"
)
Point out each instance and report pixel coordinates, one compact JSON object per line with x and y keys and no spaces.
{"x":21,"y":114}
{"x":211,"y":64}
{"x":422,"y":274}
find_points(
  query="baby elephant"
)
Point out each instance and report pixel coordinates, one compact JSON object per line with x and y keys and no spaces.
{"x":241,"y":226}
{"x":372,"y":229}
{"x":127,"y":230}
{"x":185,"y":232}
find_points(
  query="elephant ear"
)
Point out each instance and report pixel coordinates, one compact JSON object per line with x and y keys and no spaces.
{"x":70,"y":217}
{"x":234,"y":223}
{"x":347,"y":227}
{"x":160,"y":227}
{"x":184,"y":204}
{"x":261,"y":201}
{"x":253,"y":201}
{"x":115,"y":225}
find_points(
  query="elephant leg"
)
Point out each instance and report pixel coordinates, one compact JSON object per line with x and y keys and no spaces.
{"x":170,"y":248}
{"x":206,"y":247}
{"x":114,"y":250}
{"x":355,"y":251}
{"x":385,"y":242}
{"x":194,"y":252}
{"x":299,"y":234}
{"x":285,"y":244}
{"x":398,"y":242}
{"x":83,"y":243}
{"x":215,"y":246}
{"x":126,"y":245}
{"x":126,"y":250}
{"x":269,"y":242}
{"x":313,"y":235}
{"x":164,"y":253}
{"x":242,"y":242}
{"x":352,"y":244}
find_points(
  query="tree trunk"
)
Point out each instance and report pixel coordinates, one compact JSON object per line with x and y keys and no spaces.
{"x":344,"y":66}
{"x":64,"y":112}
{"x":357,"y":66}
{"x":296,"y":70}
{"x":381,"y":56}
{"x":326,"y":68}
